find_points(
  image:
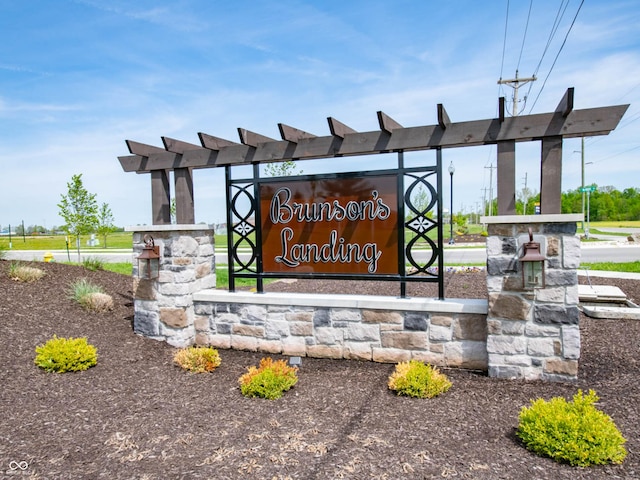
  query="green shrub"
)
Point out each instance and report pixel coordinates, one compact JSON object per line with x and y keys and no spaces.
{"x":573,"y":432}
{"x":269,"y":381}
{"x":92,"y":263}
{"x":417,"y":379}
{"x":198,"y":359}
{"x":23,"y":273}
{"x":90,"y":296}
{"x":66,"y":355}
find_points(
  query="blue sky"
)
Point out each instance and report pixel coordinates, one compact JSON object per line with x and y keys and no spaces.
{"x":78,"y":78}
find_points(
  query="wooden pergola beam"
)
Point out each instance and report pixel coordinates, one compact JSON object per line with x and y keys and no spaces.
{"x":293,"y":135}
{"x":346,"y":141}
{"x":387,"y":124}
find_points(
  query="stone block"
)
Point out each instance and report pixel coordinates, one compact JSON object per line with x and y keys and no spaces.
{"x":494,"y":327}
{"x":437,"y":348}
{"x":174,"y":289}
{"x":185,"y":276}
{"x":494,"y":283}
{"x":440,"y":334}
{"x":358,"y":351}
{"x":294,"y":346}
{"x":247,"y":330}
{"x":146,"y":323}
{"x":205,"y":251}
{"x":390,"y":355}
{"x":382,"y":316}
{"x":572,"y":295}
{"x":270,"y":346}
{"x":276,"y":329}
{"x":535,"y":330}
{"x":556,"y":314}
{"x":571,"y":252}
{"x":500,"y":229}
{"x":203,"y":308}
{"x":568,"y":228}
{"x":202,"y":339}
{"x":345,"y":315}
{"x":301,"y":328}
{"x":513,"y":282}
{"x":501,"y":265}
{"x":174,"y":317}
{"x":506,"y":345}
{"x":220,"y":341}
{"x":362,"y":333}
{"x":416,"y":322}
{"x":201,"y":323}
{"x":467,"y":354}
{"x":429,"y":358}
{"x":321,"y":318}
{"x":299,"y":316}
{"x":404,"y":340}
{"x":512,"y":327}
{"x":255,"y":313}
{"x":224,"y":328}
{"x":561,"y":278}
{"x":184,"y":246}
{"x":203,"y":269}
{"x":558,"y":366}
{"x":541,"y":347}
{"x":470,"y":327}
{"x":442,"y":320}
{"x":571,"y":342}
{"x":494,"y":246}
{"x":329,"y":335}
{"x":241,"y":342}
{"x":550,"y":294}
{"x":512,"y":307}
{"x":553,"y":246}
{"x":324,"y":351}
{"x":518,"y":360}
{"x":505,"y":372}
{"x":182,"y":261}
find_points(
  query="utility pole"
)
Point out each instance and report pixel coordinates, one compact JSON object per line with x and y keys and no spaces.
{"x":525,"y":194}
{"x":516,"y":83}
{"x":582,"y":155}
{"x":491,"y":167}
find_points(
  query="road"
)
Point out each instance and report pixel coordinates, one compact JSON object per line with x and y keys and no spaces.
{"x":591,"y":252}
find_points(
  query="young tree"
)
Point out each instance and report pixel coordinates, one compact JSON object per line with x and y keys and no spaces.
{"x":282,"y":169}
{"x":79,"y":210}
{"x":105,"y":222}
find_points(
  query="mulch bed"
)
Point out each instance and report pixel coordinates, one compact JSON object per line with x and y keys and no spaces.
{"x":136,"y":415}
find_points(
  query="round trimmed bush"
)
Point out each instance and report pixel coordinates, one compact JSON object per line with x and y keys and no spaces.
{"x":417,"y":379}
{"x":573,"y":432}
{"x":198,"y":359}
{"x":66,"y":355}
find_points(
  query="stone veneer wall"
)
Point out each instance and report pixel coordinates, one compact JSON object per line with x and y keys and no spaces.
{"x":163,"y":308}
{"x":383,"y":329}
{"x":533,"y":334}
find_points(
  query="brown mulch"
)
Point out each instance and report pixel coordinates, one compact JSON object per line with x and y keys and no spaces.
{"x":136,"y":415}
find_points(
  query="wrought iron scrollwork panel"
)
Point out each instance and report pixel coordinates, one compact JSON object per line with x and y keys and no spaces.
{"x":243,"y":209}
{"x":421,"y":199}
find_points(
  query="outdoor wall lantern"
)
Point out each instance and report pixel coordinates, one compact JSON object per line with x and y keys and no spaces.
{"x":532,"y":264}
{"x":149,"y":259}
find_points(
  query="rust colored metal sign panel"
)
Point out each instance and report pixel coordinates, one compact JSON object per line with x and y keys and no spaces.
{"x":330,"y":225}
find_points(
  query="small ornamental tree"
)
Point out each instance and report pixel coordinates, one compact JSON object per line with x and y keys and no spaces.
{"x":105,"y":222}
{"x":79,"y":210}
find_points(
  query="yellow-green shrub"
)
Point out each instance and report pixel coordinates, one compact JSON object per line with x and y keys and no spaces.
{"x":270,"y":380}
{"x":198,"y":359}
{"x":66,"y":355}
{"x":417,"y":379}
{"x":574,"y":432}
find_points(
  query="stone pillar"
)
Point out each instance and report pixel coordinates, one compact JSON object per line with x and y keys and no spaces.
{"x":163,"y":308}
{"x":533,"y":334}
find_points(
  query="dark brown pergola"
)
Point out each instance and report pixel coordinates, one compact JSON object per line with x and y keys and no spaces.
{"x":549,"y":128}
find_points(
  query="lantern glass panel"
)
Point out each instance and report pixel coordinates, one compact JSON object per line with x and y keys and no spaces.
{"x":533,"y":274}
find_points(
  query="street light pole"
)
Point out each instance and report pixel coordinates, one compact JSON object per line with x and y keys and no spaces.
{"x":451,"y":171}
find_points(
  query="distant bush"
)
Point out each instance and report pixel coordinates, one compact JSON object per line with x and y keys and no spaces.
{"x":573,"y":432}
{"x":92,"y":263}
{"x":92,"y":297}
{"x":198,"y":359}
{"x":417,"y":379}
{"x":269,"y":381}
{"x":23,"y":273}
{"x":66,"y":355}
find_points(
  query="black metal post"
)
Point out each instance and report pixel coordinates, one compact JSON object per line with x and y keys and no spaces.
{"x":451,"y":170}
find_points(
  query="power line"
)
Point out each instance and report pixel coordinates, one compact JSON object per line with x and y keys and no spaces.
{"x":554,"y":28}
{"x":524,"y":36}
{"x":504,"y":43}
{"x":557,"y":55}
